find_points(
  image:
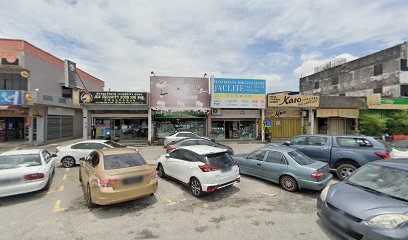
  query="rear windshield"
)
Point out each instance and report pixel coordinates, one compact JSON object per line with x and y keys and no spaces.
{"x":219,"y":159}
{"x":115,"y":144}
{"x":353,"y":142}
{"x":300,"y":158}
{"x":123,"y":161}
{"x":18,"y":161}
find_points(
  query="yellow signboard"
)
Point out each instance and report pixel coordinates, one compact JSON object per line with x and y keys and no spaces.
{"x":293,"y":101}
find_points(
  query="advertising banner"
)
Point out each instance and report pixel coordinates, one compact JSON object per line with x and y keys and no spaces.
{"x":238,"y":93}
{"x":179,"y":93}
{"x":11,"y":97}
{"x":293,"y":101}
{"x":134,"y":98}
{"x":69,"y":74}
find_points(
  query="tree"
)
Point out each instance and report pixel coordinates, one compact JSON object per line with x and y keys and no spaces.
{"x":397,"y":123}
{"x":372,"y":124}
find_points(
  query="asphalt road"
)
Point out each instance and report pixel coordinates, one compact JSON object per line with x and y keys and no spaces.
{"x":251,"y":209}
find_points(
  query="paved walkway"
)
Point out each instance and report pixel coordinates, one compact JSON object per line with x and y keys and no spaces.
{"x":15,"y":145}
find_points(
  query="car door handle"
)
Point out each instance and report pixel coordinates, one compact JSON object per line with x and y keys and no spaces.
{"x":259,"y":164}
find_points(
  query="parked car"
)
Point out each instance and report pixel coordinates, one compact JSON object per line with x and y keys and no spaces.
{"x":69,"y":155}
{"x":198,"y":141}
{"x":203,"y":168}
{"x":178,"y":136}
{"x":110,"y":176}
{"x":343,"y":153}
{"x":399,"y":149}
{"x":370,"y":204}
{"x":24,"y":171}
{"x":289,"y":167}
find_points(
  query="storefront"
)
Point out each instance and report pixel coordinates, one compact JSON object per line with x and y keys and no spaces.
{"x":236,"y":108}
{"x":12,"y":116}
{"x":178,"y":104}
{"x":291,"y":115}
{"x":121,"y":115}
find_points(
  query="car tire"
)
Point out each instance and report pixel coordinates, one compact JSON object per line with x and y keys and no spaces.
{"x":160,"y":171}
{"x":345,"y":170}
{"x":289,"y":184}
{"x":80,"y":177}
{"x":195,"y":187}
{"x":68,"y":162}
{"x":88,"y":198}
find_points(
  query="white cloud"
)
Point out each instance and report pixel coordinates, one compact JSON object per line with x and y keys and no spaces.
{"x":310,"y":61}
{"x":122,"y":42}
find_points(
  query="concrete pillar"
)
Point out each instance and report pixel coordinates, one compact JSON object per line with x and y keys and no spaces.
{"x":31,"y":127}
{"x":209,"y":125}
{"x":262,"y":125}
{"x":40,"y":130}
{"x":302,"y":123}
{"x":149,"y":126}
{"x":85,"y":124}
{"x":311,"y":121}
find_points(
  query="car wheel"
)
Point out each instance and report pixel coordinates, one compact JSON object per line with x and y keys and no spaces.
{"x":288,"y":183}
{"x":80,"y":177}
{"x":68,"y":162}
{"x":88,"y":198}
{"x":160,"y":171}
{"x":345,"y":170}
{"x":195,"y":187}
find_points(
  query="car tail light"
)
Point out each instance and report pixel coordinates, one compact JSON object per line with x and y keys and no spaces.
{"x":170,"y":149}
{"x":234,"y":163}
{"x":107,"y":182}
{"x":165,"y":139}
{"x":153,"y":175}
{"x":212,"y":188}
{"x":206,"y":168}
{"x":34,"y":176}
{"x":317,"y":175}
{"x":57,"y":151}
{"x":383,"y":155}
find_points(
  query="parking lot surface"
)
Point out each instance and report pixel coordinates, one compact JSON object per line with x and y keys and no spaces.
{"x":251,"y":209}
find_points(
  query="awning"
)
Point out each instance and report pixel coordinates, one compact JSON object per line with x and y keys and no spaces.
{"x":4,"y":107}
{"x":344,"y":113}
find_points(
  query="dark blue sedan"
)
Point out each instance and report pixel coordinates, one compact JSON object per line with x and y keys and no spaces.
{"x":370,"y":204}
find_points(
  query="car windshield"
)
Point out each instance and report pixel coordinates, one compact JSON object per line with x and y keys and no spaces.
{"x":114,"y":144}
{"x":18,"y":161}
{"x":124,"y":160}
{"x":219,"y":159}
{"x":300,"y":158}
{"x":383,"y":180}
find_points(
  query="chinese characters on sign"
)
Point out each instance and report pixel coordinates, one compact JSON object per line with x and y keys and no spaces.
{"x":293,"y":101}
{"x":238,"y":93}
{"x":138,"y":98}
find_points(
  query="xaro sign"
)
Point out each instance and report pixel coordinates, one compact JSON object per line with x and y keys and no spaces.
{"x":293,"y":101}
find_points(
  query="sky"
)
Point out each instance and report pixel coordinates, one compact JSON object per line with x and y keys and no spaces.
{"x":122,"y":41}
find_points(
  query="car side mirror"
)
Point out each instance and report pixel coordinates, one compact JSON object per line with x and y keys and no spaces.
{"x":82,"y":159}
{"x":287,"y":143}
{"x":54,"y":155}
{"x":167,"y":156}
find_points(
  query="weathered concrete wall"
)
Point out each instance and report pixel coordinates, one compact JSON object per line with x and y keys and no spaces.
{"x":330,"y":102}
{"x":356,"y":77}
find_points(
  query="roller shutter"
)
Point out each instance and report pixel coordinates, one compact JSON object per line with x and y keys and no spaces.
{"x":59,"y":127}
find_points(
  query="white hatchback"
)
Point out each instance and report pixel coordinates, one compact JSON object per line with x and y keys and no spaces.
{"x":69,"y":155}
{"x":202,"y":168}
{"x":24,"y":171}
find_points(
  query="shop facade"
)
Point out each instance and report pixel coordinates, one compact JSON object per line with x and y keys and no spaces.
{"x":120,"y":115}
{"x":237,"y":108}
{"x":178,"y":104}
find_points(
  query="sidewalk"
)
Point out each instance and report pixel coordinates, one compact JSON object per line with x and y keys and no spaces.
{"x":51,"y":147}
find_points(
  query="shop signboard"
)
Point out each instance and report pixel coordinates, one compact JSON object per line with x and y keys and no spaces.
{"x":119,"y":98}
{"x":179,"y":93}
{"x":187,"y":114}
{"x":279,"y":113}
{"x":399,"y":101}
{"x":300,"y":101}
{"x":238,"y":93}
{"x":11,"y":97}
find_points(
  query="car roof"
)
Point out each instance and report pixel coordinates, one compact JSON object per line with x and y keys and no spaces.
{"x":185,"y":132}
{"x":25,"y":151}
{"x":327,"y":135}
{"x":400,"y":163}
{"x":283,"y":149}
{"x":114,"y":151}
{"x":203,"y":150}
{"x":92,"y":141}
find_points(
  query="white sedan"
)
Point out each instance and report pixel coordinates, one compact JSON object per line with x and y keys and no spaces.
{"x":178,"y":136}
{"x":202,"y":168}
{"x":24,"y":171}
{"x":69,"y":155}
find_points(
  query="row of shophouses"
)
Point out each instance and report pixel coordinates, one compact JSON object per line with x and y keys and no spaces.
{"x":44,"y":98}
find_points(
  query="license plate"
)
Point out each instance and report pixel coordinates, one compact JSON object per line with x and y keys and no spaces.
{"x":9,"y":181}
{"x":133,"y":180}
{"x":226,"y":169}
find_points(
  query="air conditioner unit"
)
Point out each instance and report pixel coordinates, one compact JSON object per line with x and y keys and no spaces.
{"x":216,"y":111}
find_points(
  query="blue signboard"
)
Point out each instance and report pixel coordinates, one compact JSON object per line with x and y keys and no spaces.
{"x":11,"y":97}
{"x":268,"y":123}
{"x":238,"y":93}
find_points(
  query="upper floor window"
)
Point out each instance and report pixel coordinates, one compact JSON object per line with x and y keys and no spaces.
{"x":335,"y":80}
{"x":378,"y":69}
{"x":12,"y":81}
{"x":404,"y":65}
{"x":404,"y":90}
{"x":66,"y":92}
{"x":316,"y":85}
{"x":378,"y":90}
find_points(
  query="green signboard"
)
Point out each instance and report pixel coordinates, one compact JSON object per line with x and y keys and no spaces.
{"x":399,"y":101}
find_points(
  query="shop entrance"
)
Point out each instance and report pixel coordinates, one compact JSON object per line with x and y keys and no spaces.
{"x":231,"y":129}
{"x":240,"y":130}
{"x":11,"y":129}
{"x":123,"y":129}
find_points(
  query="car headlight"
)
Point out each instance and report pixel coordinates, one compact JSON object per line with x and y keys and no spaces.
{"x":388,"y":221}
{"x":324,"y":193}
